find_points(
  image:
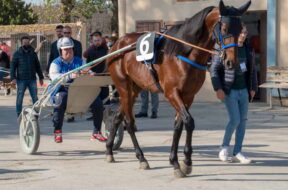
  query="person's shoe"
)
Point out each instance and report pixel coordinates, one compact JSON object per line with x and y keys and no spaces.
{"x":98,"y":136}
{"x":154,"y":115}
{"x":223,"y":154}
{"x":58,"y":136}
{"x":140,"y":114}
{"x":241,"y":158}
{"x":71,"y":119}
{"x":89,"y":118}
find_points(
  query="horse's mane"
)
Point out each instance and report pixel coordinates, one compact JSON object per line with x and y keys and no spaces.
{"x":190,"y":31}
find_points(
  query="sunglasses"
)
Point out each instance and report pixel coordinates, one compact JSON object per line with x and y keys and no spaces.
{"x":67,"y":32}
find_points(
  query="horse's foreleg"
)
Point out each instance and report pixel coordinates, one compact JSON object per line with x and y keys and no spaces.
{"x":109,"y":144}
{"x":178,"y":127}
{"x":186,"y":165}
{"x":183,"y":118}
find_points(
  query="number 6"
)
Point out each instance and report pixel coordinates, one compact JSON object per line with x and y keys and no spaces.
{"x":144,"y":45}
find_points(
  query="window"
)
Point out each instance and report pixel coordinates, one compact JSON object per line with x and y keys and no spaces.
{"x":142,"y":26}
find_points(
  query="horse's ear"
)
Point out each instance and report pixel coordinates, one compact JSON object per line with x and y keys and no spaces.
{"x":222,"y":8}
{"x":244,"y":7}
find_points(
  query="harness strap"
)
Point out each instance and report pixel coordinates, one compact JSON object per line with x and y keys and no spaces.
{"x":193,"y":63}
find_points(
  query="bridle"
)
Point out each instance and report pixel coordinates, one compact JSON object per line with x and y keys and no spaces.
{"x":217,"y":34}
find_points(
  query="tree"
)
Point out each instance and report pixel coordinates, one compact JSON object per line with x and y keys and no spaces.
{"x":48,"y":13}
{"x":67,"y":6}
{"x":16,"y":12}
{"x":114,"y":22}
{"x":82,"y":8}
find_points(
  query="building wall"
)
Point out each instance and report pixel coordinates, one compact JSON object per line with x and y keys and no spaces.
{"x":168,"y":10}
{"x":282,"y":37}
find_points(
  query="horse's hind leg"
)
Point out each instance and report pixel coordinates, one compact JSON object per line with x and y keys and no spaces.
{"x":109,"y":144}
{"x":127,"y":103}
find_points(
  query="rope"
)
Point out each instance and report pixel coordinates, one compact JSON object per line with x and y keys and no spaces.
{"x":186,"y":43}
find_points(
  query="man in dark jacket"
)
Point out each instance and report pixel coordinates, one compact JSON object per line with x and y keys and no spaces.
{"x":24,"y":66}
{"x":53,"y":50}
{"x":67,"y":31}
{"x":97,"y":49}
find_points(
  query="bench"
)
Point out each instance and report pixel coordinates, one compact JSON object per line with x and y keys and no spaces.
{"x":277,"y":78}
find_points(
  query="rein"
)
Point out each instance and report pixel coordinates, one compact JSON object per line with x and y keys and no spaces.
{"x":186,"y":43}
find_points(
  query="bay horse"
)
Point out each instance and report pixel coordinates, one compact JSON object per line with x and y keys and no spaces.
{"x":178,"y":80}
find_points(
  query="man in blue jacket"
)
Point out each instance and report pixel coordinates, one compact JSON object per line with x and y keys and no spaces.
{"x":61,"y":65}
{"x":24,"y":66}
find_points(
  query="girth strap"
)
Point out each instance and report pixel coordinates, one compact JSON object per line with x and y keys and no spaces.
{"x":193,"y":63}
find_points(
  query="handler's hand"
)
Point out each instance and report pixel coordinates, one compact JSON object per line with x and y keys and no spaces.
{"x":220,"y":94}
{"x":252,"y":94}
{"x":74,"y":75}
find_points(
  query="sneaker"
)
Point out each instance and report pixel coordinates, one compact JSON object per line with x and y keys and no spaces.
{"x":223,"y":154}
{"x":99,"y":137}
{"x":140,"y":114}
{"x":241,"y":158}
{"x":154,"y":115}
{"x":58,"y":136}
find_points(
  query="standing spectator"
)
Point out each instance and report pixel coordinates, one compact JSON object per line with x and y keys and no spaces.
{"x":234,"y":86}
{"x":95,"y":51}
{"x":53,"y":50}
{"x":67,"y":31}
{"x":144,"y":104}
{"x":4,"y":47}
{"x":24,"y":66}
{"x":4,"y":63}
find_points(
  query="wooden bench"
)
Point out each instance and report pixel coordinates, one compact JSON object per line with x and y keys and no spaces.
{"x":277,"y":78}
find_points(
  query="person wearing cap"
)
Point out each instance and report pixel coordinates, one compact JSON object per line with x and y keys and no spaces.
{"x":61,"y":65}
{"x":24,"y":66}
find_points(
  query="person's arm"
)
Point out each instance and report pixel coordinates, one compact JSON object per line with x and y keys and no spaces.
{"x":14,"y":66}
{"x":51,"y":57}
{"x":54,"y":71}
{"x":38,"y":67}
{"x":214,"y":72}
{"x":215,"y":69}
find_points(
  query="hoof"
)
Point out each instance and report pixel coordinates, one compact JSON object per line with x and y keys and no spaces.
{"x":110,"y":159}
{"x":144,"y":165}
{"x":184,"y":168}
{"x":178,"y":173}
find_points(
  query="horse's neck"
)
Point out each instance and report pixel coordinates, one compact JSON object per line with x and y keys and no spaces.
{"x":206,"y":42}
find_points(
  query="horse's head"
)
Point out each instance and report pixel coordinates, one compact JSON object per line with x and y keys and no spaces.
{"x":227,"y":32}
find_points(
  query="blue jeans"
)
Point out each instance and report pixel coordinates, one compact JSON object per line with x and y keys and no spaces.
{"x":145,"y":101}
{"x":22,"y":85}
{"x":237,"y":106}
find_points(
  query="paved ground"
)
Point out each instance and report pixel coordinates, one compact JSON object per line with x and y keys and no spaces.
{"x":78,"y":163}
